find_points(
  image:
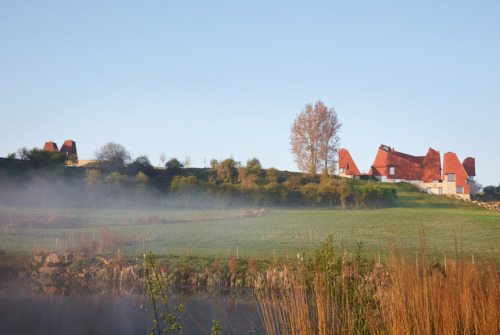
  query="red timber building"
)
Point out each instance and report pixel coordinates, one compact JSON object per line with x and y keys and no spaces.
{"x":424,"y":171}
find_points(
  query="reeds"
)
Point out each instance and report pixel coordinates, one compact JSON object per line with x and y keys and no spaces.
{"x":460,"y":297}
{"x":323,"y":295}
{"x":349,"y":295}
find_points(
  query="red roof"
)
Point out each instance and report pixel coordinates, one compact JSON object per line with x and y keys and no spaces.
{"x":69,"y":147}
{"x":451,"y":165}
{"x":469,"y":165}
{"x":346,"y":162}
{"x":50,"y":146}
{"x":426,"y":168}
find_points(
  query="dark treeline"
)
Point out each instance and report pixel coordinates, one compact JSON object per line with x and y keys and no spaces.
{"x":47,"y":181}
{"x":490,"y":193}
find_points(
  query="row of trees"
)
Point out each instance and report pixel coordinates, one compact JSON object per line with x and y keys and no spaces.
{"x":230,"y":183}
{"x":326,"y":192}
{"x":491,"y":193}
{"x":39,"y":158}
{"x":117,"y":176}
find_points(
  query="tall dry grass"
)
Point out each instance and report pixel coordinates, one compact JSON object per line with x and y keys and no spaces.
{"x":345,"y":295}
{"x":323,"y":295}
{"x":460,"y":297}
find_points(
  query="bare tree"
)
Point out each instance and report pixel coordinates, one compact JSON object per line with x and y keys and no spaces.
{"x":23,"y":153}
{"x":314,"y":138}
{"x":163,"y":159}
{"x":113,"y":156}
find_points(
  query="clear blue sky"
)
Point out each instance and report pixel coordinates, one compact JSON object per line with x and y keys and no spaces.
{"x":212,"y":79}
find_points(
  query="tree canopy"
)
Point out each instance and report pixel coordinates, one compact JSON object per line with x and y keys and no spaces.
{"x":39,"y":157}
{"x":174,"y":167}
{"x":142,"y":164}
{"x":113,"y":155}
{"x":226,"y":170}
{"x":314,"y":138}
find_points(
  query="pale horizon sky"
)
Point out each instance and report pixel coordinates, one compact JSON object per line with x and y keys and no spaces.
{"x":220,"y":79}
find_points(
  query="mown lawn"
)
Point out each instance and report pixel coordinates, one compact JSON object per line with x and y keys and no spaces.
{"x":449,"y":226}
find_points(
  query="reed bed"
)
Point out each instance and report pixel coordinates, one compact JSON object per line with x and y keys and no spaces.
{"x":460,"y":297}
{"x":330,"y":294}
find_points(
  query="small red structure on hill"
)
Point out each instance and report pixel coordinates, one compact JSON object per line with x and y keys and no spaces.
{"x":69,"y":147}
{"x":50,"y":146}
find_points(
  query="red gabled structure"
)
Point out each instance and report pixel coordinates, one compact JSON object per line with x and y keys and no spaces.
{"x":346,"y":164}
{"x":403,"y":167}
{"x":424,"y":171}
{"x":455,"y":172}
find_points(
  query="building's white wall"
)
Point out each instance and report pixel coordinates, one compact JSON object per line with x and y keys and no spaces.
{"x":441,"y":188}
{"x":449,"y":188}
{"x":434,"y":187}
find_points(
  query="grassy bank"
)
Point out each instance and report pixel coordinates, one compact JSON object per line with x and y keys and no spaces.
{"x":276,"y":233}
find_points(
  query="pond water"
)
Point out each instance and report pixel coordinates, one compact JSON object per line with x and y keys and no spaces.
{"x":27,"y":309}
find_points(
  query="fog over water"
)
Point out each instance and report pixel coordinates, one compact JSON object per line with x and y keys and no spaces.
{"x":33,"y":201}
{"x":25,"y":311}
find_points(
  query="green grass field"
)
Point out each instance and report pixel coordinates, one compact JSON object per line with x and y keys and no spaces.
{"x":449,"y":225}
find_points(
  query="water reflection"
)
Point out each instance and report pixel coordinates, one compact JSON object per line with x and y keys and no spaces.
{"x":33,"y":307}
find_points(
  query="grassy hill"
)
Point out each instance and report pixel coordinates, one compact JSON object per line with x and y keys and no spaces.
{"x":449,"y":225}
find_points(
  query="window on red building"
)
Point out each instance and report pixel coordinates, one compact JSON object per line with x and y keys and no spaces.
{"x":460,"y":189}
{"x":451,"y":177}
{"x":391,"y":170}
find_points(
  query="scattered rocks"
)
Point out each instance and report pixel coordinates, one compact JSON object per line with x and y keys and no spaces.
{"x":491,"y":205}
{"x":53,"y":260}
{"x":51,"y":270}
{"x":38,"y":259}
{"x":71,"y":273}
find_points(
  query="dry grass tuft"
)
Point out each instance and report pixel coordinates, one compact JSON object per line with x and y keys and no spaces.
{"x":461,"y":297}
{"x":337,"y":295}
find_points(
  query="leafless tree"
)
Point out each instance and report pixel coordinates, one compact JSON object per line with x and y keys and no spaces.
{"x":113,"y":155}
{"x":23,"y":153}
{"x":163,"y":159}
{"x":314,"y":138}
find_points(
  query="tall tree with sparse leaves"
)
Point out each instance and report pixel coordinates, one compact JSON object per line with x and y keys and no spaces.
{"x":314,"y":138}
{"x":113,"y":155}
